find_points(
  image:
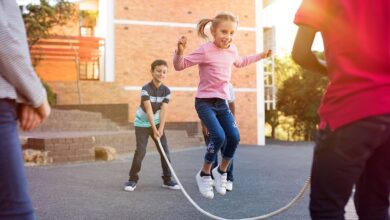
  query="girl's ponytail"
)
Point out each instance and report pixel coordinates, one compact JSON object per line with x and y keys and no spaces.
{"x":201,"y":26}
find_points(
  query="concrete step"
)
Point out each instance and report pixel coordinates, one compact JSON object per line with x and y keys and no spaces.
{"x":73,"y":115}
{"x":77,"y":126}
{"x":71,"y":146}
{"x":75,"y":120}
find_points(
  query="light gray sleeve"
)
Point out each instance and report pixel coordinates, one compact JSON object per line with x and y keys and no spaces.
{"x":231,"y":93}
{"x":15,"y":63}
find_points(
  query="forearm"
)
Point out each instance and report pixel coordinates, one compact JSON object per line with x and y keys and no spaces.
{"x":312,"y":63}
{"x":178,"y":61}
{"x":151,"y":119}
{"x":149,"y":113}
{"x":163,"y":115}
{"x":302,"y":53}
{"x":246,"y":60}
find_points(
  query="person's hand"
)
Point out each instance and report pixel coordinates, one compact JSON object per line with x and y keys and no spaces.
{"x":161,"y":131}
{"x":266,"y":54}
{"x":181,"y":45}
{"x":44,"y":110}
{"x":28,"y":117}
{"x":156,"y":134}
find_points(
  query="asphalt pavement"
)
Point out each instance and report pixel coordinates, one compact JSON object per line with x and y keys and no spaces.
{"x":266,"y":178}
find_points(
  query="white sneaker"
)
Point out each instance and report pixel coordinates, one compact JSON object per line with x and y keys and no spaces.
{"x":130,"y":186}
{"x":205,"y":185}
{"x":220,"y":181}
{"x":229,"y":185}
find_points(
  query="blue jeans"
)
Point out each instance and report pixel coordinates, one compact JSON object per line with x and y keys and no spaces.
{"x":356,"y":154}
{"x":15,"y":201}
{"x":229,"y":170}
{"x":219,"y":121}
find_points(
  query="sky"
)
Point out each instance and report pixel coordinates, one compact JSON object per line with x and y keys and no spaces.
{"x":281,"y":15}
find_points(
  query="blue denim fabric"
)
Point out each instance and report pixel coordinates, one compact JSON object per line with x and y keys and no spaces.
{"x":15,"y":202}
{"x":230,"y":168}
{"x":219,"y":121}
{"x":354,"y":155}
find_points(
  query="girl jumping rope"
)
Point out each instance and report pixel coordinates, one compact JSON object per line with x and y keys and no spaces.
{"x":215,"y":60}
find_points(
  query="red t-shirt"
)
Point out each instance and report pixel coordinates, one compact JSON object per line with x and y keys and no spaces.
{"x":356,"y":36}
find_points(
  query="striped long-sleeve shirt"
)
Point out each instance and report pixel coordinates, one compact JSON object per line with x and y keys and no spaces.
{"x":18,"y":79}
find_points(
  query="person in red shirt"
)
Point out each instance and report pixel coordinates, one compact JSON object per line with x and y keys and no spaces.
{"x":353,"y":144}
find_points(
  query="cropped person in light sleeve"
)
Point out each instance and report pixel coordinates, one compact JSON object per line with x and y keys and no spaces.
{"x":23,"y":99}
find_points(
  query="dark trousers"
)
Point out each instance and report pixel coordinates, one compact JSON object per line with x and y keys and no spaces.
{"x":15,"y":201}
{"x":354,"y":155}
{"x":142,"y":136}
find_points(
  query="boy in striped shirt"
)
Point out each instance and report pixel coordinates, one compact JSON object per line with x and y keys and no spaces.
{"x":150,"y":121}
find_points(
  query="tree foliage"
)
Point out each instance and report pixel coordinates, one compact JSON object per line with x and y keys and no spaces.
{"x":39,"y":19}
{"x":284,"y":68}
{"x":299,"y":94}
{"x":300,"y":97}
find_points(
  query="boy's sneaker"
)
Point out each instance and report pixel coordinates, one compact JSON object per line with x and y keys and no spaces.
{"x":171,"y":185}
{"x":229,"y":185}
{"x":205,"y":185}
{"x":130,"y":186}
{"x":220,"y":181}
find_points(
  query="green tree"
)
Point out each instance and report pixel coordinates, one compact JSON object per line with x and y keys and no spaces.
{"x":272,"y":118}
{"x":300,"y":98}
{"x":39,"y":19}
{"x":284,"y":68}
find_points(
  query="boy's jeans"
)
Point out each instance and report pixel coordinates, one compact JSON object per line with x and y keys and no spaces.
{"x":15,"y":201}
{"x":356,"y":154}
{"x":142,"y":136}
{"x":219,"y":121}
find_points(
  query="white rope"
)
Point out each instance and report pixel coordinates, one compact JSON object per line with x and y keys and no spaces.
{"x":265,"y":216}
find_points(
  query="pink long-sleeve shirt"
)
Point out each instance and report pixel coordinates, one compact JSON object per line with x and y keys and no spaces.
{"x":215,"y":68}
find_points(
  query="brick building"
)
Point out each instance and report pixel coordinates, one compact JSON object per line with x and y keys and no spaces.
{"x":130,"y":34}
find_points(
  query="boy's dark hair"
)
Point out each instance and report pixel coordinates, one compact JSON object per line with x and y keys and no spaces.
{"x":158,"y":63}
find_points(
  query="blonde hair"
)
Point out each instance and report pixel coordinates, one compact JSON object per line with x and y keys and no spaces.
{"x":223,"y":16}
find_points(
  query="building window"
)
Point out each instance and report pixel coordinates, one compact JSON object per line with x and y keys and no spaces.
{"x":89,"y":70}
{"x":89,"y":60}
{"x":86,"y":31}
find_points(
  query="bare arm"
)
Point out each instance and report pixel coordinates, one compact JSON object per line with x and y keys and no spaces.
{"x":302,"y":53}
{"x":163,"y":117}
{"x":149,"y":113}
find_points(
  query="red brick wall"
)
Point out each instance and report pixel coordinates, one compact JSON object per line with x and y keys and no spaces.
{"x":184,"y":11}
{"x":138,"y":45}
